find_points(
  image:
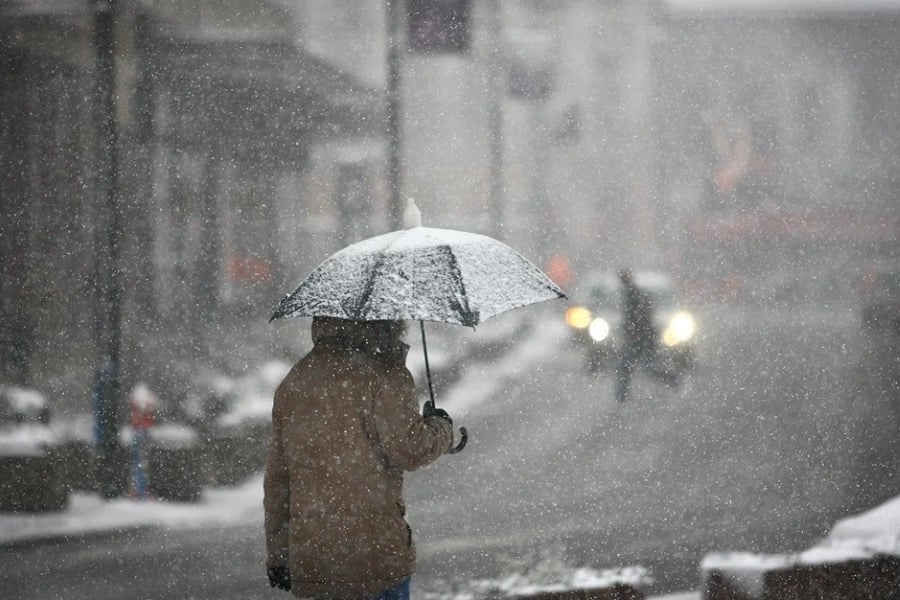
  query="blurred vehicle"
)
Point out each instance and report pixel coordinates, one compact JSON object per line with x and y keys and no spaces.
{"x":595,"y":320}
{"x":881,"y":302}
{"x":31,"y":473}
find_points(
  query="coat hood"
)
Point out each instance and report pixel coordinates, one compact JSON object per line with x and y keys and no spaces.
{"x":378,"y":337}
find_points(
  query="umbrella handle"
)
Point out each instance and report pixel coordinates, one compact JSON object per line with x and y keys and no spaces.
{"x":463,"y":434}
{"x":463,"y":439}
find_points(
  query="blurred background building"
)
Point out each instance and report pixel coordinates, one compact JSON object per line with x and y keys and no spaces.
{"x":749,"y":147}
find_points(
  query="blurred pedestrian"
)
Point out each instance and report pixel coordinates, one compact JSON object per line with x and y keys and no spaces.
{"x":346,"y":425}
{"x":639,"y":344}
{"x":143,"y":417}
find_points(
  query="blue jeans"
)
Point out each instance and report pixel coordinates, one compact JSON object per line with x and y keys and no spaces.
{"x":138,"y":467}
{"x":398,"y":592}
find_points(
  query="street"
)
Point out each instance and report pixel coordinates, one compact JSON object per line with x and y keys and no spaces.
{"x":780,"y":432}
{"x":775,"y":436}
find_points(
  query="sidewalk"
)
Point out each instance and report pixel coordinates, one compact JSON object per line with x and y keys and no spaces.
{"x":875,"y":531}
{"x":88,"y":515}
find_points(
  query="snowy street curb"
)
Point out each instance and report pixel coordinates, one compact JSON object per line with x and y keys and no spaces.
{"x":54,"y":538}
{"x":88,"y":515}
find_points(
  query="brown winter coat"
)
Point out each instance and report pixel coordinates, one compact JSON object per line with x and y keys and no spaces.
{"x":346,"y":425}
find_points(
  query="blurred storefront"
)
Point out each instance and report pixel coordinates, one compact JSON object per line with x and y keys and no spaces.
{"x":775,"y":182}
{"x":217,"y":118}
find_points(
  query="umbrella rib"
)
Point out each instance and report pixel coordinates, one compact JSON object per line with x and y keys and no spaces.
{"x":380,"y":257}
{"x":369,"y":286}
{"x":466,"y":312}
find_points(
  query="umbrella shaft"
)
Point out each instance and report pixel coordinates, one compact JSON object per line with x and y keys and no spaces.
{"x":427,"y":366}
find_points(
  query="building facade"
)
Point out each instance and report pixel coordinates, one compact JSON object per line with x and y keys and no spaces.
{"x":252,"y":143}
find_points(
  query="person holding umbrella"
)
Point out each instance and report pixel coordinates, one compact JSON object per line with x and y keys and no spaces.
{"x":346,"y":426}
{"x":346,"y":421}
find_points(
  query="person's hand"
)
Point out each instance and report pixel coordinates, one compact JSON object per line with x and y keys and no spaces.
{"x":280,"y":577}
{"x":430,"y":410}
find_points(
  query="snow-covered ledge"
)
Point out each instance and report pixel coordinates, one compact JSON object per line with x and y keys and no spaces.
{"x":869,"y":541}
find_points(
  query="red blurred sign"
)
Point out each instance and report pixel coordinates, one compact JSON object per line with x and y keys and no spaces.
{"x":248,"y":270}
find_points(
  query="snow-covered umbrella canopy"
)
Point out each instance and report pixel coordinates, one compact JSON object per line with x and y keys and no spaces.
{"x":423,"y":274}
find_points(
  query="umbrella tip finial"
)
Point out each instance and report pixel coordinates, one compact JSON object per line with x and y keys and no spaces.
{"x":412,"y":216}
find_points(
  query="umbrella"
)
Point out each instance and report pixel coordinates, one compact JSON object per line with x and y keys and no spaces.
{"x":422,"y":274}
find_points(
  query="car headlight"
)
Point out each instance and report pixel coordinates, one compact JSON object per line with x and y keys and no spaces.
{"x":680,"y":329}
{"x":598,"y":330}
{"x":578,"y":317}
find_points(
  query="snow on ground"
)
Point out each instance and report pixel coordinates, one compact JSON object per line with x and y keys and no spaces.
{"x":580,"y":578}
{"x":551,"y":577}
{"x":88,"y":514}
{"x":27,"y":439}
{"x":481,"y":384}
{"x":879,"y":524}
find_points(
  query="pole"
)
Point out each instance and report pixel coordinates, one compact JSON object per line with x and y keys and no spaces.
{"x":395,"y":208}
{"x":495,"y":70}
{"x":108,"y":293}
